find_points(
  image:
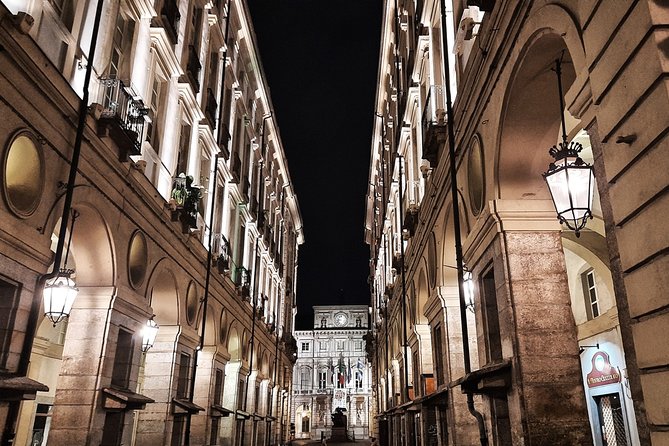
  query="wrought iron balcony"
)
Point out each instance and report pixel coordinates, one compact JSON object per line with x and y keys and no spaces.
{"x":434,"y":123}
{"x":244,"y":188}
{"x":122,"y":118}
{"x":220,"y":250}
{"x":223,"y":140}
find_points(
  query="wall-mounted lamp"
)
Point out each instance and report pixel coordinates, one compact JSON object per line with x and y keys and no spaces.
{"x":569,"y":178}
{"x":149,"y":333}
{"x":60,"y":291}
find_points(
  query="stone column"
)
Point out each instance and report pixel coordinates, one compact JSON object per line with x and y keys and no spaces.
{"x":234,"y":372}
{"x":155,"y":422}
{"x":77,"y":416}
{"x":463,"y":426}
{"x":546,"y":399}
{"x":203,"y":397}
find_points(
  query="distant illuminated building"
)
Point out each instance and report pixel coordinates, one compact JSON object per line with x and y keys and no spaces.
{"x":332,"y":371}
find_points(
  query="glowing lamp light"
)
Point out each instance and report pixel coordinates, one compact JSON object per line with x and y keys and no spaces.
{"x":571,"y":183}
{"x":59,"y":294}
{"x":149,"y":333}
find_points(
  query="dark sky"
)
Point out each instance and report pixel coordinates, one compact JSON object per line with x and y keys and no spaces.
{"x":320,"y":58}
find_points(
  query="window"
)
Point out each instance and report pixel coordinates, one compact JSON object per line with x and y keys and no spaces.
{"x":493,"y":341}
{"x":305,"y":346}
{"x":41,"y":424}
{"x":119,"y":61}
{"x":112,"y":431}
{"x":178,"y":430}
{"x":438,"y":354}
{"x":183,"y":379}
{"x":240,"y":393}
{"x":305,"y":424}
{"x":122,"y":360}
{"x":305,"y":378}
{"x":324,"y":345}
{"x":358,"y":379}
{"x":358,"y":345}
{"x":182,"y":154}
{"x":590,"y":293}
{"x":218,"y":386}
{"x":322,"y":379}
{"x":340,"y":345}
{"x":9,"y":293}
{"x":156,"y":103}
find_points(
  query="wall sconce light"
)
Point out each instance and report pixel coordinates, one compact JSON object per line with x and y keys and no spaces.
{"x":149,"y":333}
{"x":60,"y":291}
{"x":569,"y":178}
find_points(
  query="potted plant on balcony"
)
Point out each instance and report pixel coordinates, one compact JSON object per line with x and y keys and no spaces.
{"x":222,"y":264}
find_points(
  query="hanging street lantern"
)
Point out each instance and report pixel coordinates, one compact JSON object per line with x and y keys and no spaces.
{"x":570,"y":179}
{"x":571,"y":183}
{"x":149,"y":333}
{"x":59,"y":294}
{"x":468,"y":283}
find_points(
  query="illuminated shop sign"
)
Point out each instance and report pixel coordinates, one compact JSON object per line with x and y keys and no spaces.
{"x":602,"y":372}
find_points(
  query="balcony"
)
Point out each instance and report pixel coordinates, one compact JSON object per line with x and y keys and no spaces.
{"x":242,"y":279}
{"x":244,"y":188}
{"x":184,"y":202}
{"x":434,"y":124}
{"x":122,"y":118}
{"x":210,"y":108}
{"x":223,"y":140}
{"x":220,"y":250}
{"x":253,"y":208}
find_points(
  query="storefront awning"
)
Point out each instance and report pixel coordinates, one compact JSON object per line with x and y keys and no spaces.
{"x":438,"y":398}
{"x":18,"y":388}
{"x":242,"y":415}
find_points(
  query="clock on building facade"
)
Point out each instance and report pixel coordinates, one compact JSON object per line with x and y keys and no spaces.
{"x":340,"y":319}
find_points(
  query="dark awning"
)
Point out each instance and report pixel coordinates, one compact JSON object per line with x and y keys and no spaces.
{"x":489,"y":379}
{"x":181,"y":406}
{"x":438,"y":398}
{"x":219,"y":411}
{"x":123,"y":399}
{"x":17,"y":388}
{"x":242,"y":415}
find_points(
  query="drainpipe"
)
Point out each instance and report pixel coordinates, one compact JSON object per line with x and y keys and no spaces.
{"x":33,"y":319}
{"x":456,"y":225}
{"x":205,"y":299}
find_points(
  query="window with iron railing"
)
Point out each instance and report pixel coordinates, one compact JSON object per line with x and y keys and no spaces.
{"x":119,"y":106}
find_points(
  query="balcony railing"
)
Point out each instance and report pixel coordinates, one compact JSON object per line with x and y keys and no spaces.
{"x":122,"y":117}
{"x":220,"y":250}
{"x":235,"y":168}
{"x":434,"y":123}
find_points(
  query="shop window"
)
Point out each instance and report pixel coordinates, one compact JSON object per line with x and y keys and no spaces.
{"x":122,"y":360}
{"x":183,"y":379}
{"x":9,"y":295}
{"x":23,"y":175}
{"x":590,"y":293}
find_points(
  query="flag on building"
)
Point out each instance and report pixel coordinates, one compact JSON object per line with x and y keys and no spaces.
{"x":360,"y":364}
{"x":348,"y":371}
{"x":331,"y":369}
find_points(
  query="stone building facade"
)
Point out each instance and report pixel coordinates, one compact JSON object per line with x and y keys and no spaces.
{"x":493,"y":323}
{"x":154,"y":172}
{"x":332,"y":372}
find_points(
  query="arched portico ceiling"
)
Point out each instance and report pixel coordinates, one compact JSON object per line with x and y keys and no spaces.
{"x":447,"y":273}
{"x":163,"y":295}
{"x":422,"y":296}
{"x":92,"y":248}
{"x":530,"y":118}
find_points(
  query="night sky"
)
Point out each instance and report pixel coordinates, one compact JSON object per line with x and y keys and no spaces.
{"x":320,"y":59}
